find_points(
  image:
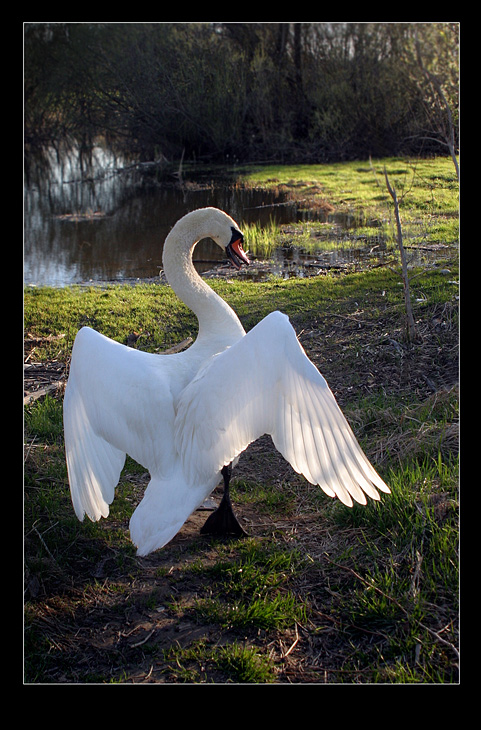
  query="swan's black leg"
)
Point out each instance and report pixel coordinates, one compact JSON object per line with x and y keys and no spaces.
{"x":223,"y":522}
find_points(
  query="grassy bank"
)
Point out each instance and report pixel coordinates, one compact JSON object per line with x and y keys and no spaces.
{"x":359,"y":185}
{"x":427,"y":191}
{"x":318,"y":592}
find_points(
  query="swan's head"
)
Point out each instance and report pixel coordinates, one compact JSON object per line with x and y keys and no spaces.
{"x":227,"y":235}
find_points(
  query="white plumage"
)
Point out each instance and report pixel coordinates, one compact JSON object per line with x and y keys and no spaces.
{"x":187,"y":415}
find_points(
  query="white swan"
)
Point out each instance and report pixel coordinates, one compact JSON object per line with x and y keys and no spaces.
{"x":185,"y":417}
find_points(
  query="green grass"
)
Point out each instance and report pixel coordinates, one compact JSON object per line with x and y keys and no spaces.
{"x":319,"y":593}
{"x":117,"y":311}
{"x":155,"y":311}
{"x":402,"y":564}
{"x":265,"y":497}
{"x":356,"y":186}
{"x":387,"y":577}
{"x":242,"y":664}
{"x":428,"y":192}
{"x":252,"y":589}
{"x":261,"y":240}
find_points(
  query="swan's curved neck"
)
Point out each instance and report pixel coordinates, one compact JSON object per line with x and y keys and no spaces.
{"x":216,"y":319}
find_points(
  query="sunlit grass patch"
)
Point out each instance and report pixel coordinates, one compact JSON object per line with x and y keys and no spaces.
{"x":251,"y":589}
{"x":261,"y":240}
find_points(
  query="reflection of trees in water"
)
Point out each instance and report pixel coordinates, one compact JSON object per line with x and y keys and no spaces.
{"x":108,"y":220}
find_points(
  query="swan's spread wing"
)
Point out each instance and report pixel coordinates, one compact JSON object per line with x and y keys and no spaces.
{"x":116,"y":402}
{"x":266,"y":384}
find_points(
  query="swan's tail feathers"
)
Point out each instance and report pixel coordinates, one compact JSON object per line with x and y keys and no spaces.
{"x":166,"y":505}
{"x":93,"y":464}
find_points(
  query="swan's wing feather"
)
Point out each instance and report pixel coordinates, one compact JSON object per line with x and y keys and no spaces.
{"x":93,"y":464}
{"x":116,"y":402}
{"x":266,"y":384}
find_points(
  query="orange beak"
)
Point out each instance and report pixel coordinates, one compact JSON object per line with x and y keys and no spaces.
{"x":236,"y":253}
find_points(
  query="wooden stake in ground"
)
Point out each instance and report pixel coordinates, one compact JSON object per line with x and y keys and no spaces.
{"x":410,"y":327}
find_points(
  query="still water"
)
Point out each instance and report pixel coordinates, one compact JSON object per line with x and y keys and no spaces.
{"x":108,"y":222}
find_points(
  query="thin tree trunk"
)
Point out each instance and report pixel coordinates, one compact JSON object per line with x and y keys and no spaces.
{"x":411,"y":326}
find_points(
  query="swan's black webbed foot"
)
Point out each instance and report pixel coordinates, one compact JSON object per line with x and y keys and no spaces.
{"x":223,"y":522}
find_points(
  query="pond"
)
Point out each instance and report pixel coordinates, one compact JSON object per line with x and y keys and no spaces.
{"x":107,"y":220}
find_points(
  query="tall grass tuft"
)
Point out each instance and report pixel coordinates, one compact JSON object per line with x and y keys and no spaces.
{"x":261,"y":240}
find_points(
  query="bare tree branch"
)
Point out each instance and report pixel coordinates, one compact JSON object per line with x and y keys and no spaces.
{"x":411,"y":326}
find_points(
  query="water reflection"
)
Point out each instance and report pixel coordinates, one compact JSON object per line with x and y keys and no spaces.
{"x":89,"y":222}
{"x":102,"y":220}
